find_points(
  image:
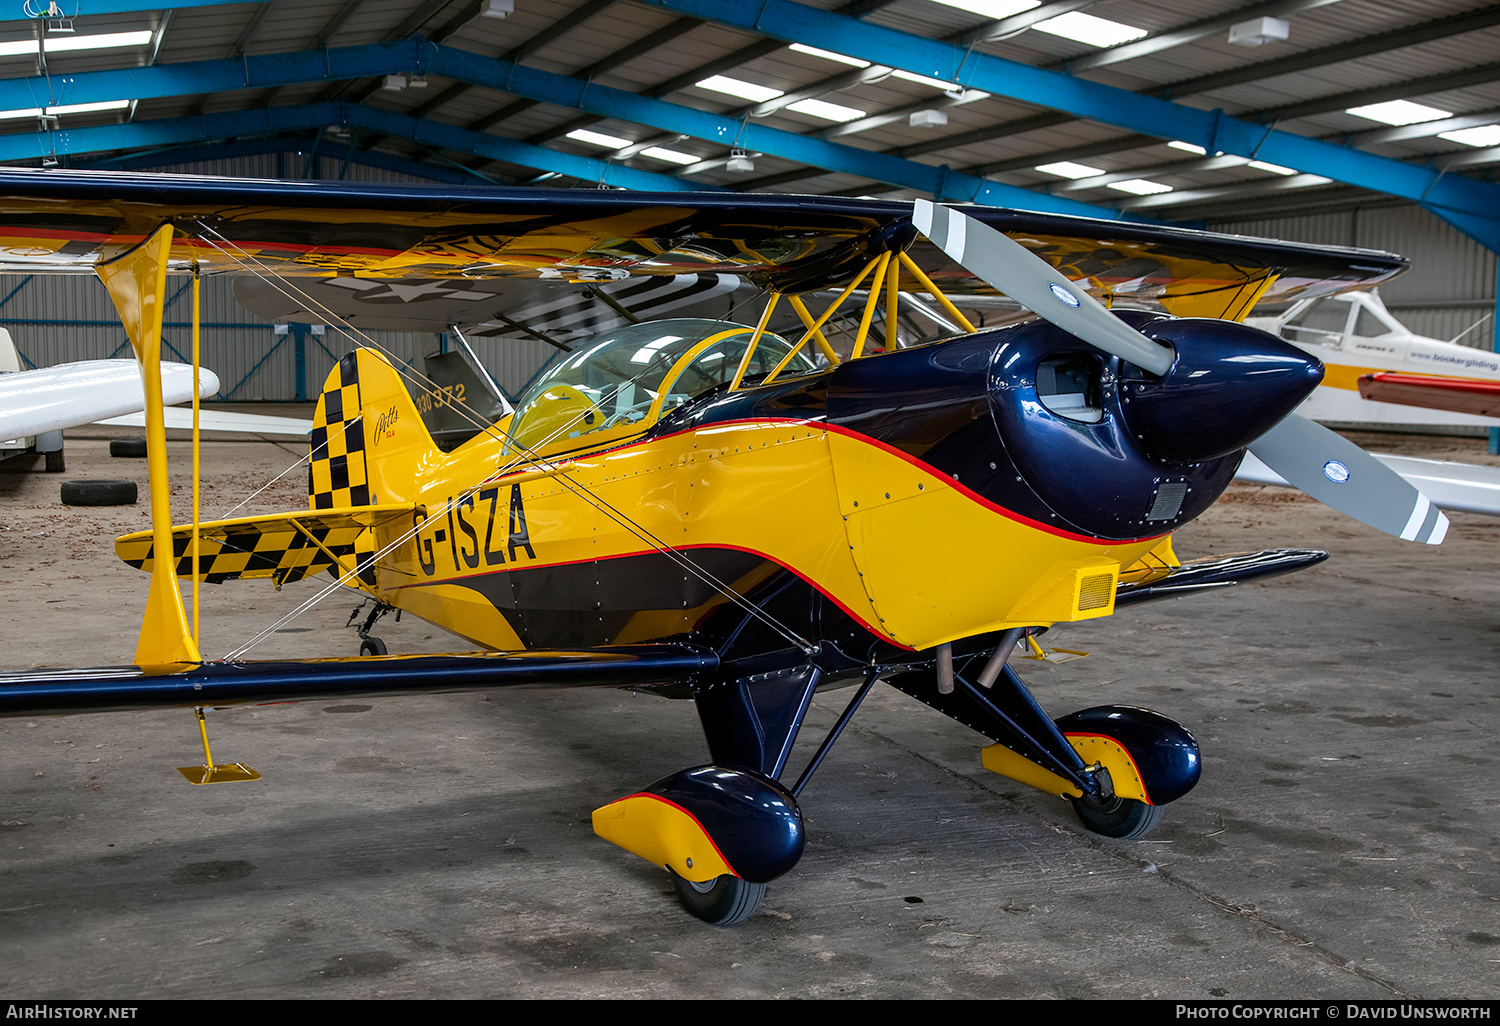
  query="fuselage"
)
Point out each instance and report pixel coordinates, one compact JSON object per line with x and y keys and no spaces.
{"x":909,"y":499}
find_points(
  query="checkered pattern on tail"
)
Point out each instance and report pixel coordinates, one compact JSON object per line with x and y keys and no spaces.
{"x":284,"y":548}
{"x":337,"y":476}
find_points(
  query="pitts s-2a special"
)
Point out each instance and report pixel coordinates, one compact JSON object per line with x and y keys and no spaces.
{"x":707,"y":510}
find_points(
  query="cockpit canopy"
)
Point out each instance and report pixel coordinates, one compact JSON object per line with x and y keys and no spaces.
{"x":621,"y":382}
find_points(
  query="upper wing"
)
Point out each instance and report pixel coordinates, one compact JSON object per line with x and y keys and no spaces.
{"x":1457,"y":395}
{"x":62,"y":220}
{"x":70,"y":394}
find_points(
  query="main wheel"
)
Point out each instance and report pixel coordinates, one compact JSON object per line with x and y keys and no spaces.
{"x":1117,"y":817}
{"x":371,"y":646}
{"x":722,"y":901}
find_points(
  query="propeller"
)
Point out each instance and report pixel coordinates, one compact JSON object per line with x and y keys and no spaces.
{"x":1323,"y":464}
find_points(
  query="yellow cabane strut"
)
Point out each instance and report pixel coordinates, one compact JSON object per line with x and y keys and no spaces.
{"x":137,"y":283}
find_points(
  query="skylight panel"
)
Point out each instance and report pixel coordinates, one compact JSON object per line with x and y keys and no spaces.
{"x":736,"y":87}
{"x":1275,"y":169}
{"x":671,"y":156}
{"x":24,"y":112}
{"x":1398,"y":112}
{"x":1086,"y":28}
{"x":1484,"y":135}
{"x":829,"y":55}
{"x":1140,"y":187}
{"x":614,"y":142}
{"x":1178,"y":144}
{"x":996,"y":9}
{"x":1068,"y":169}
{"x":825,"y":110}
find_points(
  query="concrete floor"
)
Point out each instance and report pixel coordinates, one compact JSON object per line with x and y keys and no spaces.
{"x":1342,"y":842}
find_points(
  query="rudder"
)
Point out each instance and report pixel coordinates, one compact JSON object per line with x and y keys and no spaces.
{"x":337,"y":474}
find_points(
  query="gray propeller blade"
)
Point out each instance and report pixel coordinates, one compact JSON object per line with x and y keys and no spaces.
{"x":1325,"y":465}
{"x":1340,"y":474}
{"x":1036,"y":285}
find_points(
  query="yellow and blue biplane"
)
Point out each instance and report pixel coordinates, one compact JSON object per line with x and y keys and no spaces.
{"x":717,"y":511}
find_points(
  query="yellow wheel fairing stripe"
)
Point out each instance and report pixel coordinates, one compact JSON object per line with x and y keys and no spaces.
{"x":1124,"y":775}
{"x":664,"y":834}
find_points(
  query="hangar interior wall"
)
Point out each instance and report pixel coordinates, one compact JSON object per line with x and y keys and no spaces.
{"x":1450,"y":287}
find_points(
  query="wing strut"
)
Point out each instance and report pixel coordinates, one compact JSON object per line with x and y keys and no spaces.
{"x":137,"y":283}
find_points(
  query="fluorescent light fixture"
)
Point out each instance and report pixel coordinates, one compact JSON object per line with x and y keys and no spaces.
{"x":1140,"y":187}
{"x":735,"y":87}
{"x":614,"y":142}
{"x":62,"y":44}
{"x":84,"y":108}
{"x":671,"y":156}
{"x":936,"y":83}
{"x":829,"y":55}
{"x":825,"y":110}
{"x":1484,"y":135}
{"x":1398,"y":112}
{"x":1178,"y":144}
{"x":996,"y":9}
{"x":1085,"y":28}
{"x":1068,"y":169}
{"x":1306,"y":180}
{"x":67,"y":108}
{"x":1275,"y":169}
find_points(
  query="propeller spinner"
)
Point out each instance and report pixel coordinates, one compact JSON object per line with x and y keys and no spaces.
{"x":1323,"y":464}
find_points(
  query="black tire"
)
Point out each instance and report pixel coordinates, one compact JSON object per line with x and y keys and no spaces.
{"x":1124,"y":818}
{"x":98,"y":493}
{"x":372,"y":646}
{"x":55,"y":464}
{"x":722,"y":901}
{"x":135,"y":448}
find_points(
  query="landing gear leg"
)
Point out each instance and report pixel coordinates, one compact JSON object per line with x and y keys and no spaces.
{"x":369,"y":645}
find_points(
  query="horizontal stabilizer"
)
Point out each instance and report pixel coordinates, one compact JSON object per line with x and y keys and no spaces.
{"x":201,"y":684}
{"x":285,"y":547}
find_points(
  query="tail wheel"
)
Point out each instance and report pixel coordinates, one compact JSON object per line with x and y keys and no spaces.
{"x":1125,"y":818}
{"x":722,"y":901}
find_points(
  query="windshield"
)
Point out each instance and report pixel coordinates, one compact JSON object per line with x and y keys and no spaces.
{"x":621,"y":382}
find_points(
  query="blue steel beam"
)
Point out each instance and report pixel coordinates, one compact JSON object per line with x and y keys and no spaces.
{"x":14,"y":11}
{"x":421,"y":57}
{"x":172,"y":132}
{"x":1470,"y":205}
{"x":192,"y":154}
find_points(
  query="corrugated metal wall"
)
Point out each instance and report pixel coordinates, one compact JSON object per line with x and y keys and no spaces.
{"x":1450,"y":287}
